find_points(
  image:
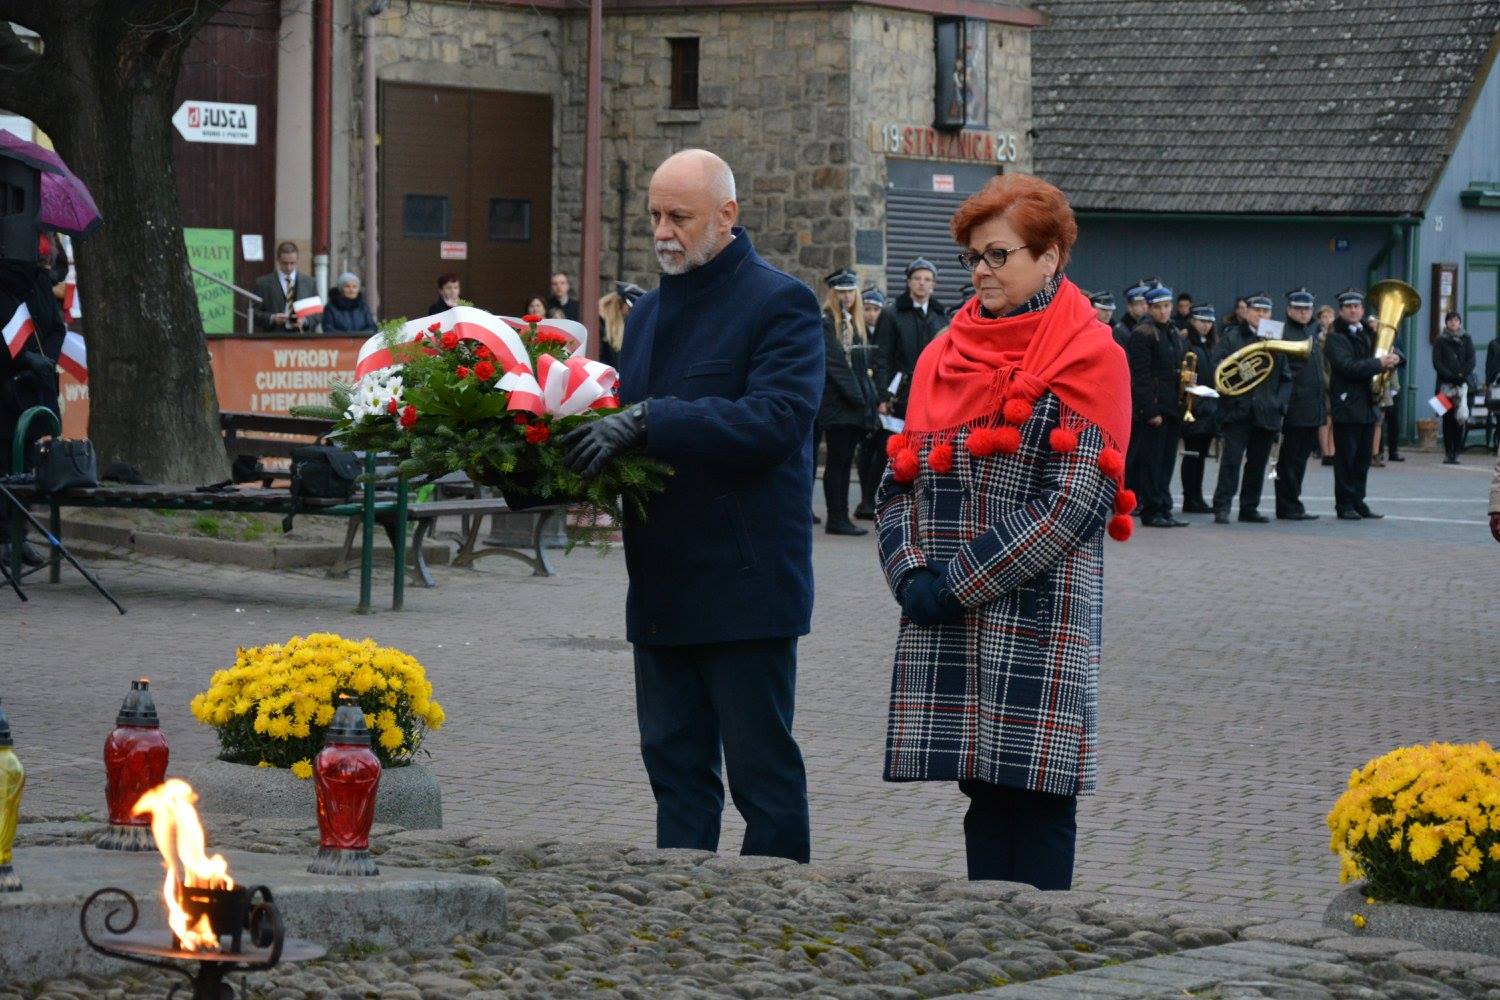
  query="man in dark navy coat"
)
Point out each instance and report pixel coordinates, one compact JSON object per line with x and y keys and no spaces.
{"x":721,"y":375}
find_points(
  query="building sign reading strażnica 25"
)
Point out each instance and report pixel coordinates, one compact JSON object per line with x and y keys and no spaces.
{"x":928,"y":143}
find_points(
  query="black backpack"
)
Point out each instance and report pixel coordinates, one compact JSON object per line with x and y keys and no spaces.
{"x":321,"y":471}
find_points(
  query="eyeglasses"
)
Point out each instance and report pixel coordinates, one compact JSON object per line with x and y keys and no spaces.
{"x":995,"y":257}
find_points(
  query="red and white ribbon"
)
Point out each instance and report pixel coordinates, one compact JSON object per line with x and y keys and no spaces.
{"x":72,"y":308}
{"x":310,"y":306}
{"x":18,"y":329}
{"x":74,"y":358}
{"x":571,"y":386}
{"x":573,"y":332}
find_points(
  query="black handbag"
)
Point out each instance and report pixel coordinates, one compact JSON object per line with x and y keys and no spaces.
{"x":322,"y":471}
{"x":64,"y":464}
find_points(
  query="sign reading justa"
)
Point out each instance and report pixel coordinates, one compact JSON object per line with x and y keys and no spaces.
{"x":214,"y":121}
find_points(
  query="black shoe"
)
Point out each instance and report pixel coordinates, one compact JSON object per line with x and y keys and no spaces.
{"x":1196,"y":507}
{"x":1300,"y":515}
{"x":817,"y":519}
{"x":844,"y":526}
{"x":1451,"y":460}
{"x":1397,"y":458}
{"x":864,"y":512}
{"x":1368,"y":514}
{"x":1136,"y":512}
{"x":1157,"y":521}
{"x":1349,"y":515}
{"x":1177,"y":522}
{"x":1254,"y":517}
{"x":1221,"y":517}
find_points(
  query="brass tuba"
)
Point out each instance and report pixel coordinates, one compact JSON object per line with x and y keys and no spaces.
{"x":1187,"y":376}
{"x":1392,"y":301}
{"x":1252,"y":364}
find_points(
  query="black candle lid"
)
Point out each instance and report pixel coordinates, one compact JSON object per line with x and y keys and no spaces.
{"x":138,"y":708}
{"x":5,"y":740}
{"x":348,"y":724}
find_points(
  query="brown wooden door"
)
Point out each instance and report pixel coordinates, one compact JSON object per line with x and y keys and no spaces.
{"x":232,"y":58}
{"x":455,"y":168}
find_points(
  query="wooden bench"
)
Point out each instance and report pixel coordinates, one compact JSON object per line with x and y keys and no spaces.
{"x":245,"y":435}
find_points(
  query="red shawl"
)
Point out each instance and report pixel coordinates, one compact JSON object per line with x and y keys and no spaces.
{"x":966,"y":375}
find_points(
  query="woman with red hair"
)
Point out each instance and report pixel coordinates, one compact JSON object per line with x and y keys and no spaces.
{"x":991,"y":515}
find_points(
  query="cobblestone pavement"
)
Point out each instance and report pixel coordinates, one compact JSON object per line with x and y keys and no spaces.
{"x":1246,"y":670}
{"x":606,"y":920}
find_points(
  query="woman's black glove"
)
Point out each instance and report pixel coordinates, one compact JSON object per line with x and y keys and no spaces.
{"x":926,"y":601}
{"x":591,"y":446}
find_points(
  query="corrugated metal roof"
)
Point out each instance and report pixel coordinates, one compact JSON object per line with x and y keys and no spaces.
{"x":1249,"y":106}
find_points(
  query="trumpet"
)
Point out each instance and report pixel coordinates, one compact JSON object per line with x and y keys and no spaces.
{"x":1252,"y":364}
{"x":1392,"y":301}
{"x":1187,"y":376}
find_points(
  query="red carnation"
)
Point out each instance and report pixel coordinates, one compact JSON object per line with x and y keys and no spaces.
{"x":434,"y":328}
{"x":1121,"y":527}
{"x":484,"y":371}
{"x":904,"y":466}
{"x":1062,"y":440}
{"x":1112,"y":463}
{"x":523,"y":418}
{"x":408,"y":416}
{"x":391,"y":406}
{"x":1125,"y":501}
{"x":1007,"y":440}
{"x":481,"y":352}
{"x":940,"y":459}
{"x":1017,"y":410}
{"x":450,"y":340}
{"x":461,"y":371}
{"x":531,"y":318}
{"x":895,"y":445}
{"x":550,"y":337}
{"x":537,"y":433}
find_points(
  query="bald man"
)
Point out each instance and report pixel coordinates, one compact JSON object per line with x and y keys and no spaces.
{"x":721,"y":374}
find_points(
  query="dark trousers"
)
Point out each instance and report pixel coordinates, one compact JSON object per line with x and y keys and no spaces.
{"x":1352,"y":447}
{"x":869,"y":459}
{"x":1251,"y":445}
{"x":1297,"y":444}
{"x":1392,"y":429}
{"x":842,"y":442}
{"x":1194,"y":456}
{"x":1157,"y":455}
{"x":734,"y":698}
{"x":1453,"y":434}
{"x":1017,"y":835}
{"x":1133,"y":471}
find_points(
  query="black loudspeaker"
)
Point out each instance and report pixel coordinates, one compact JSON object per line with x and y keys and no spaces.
{"x":20,"y":202}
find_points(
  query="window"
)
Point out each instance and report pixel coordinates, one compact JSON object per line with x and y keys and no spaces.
{"x":684,"y":72}
{"x":425,"y":216}
{"x":510,"y":220}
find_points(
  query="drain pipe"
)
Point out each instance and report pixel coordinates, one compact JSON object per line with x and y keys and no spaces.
{"x":368,"y":140}
{"x":322,"y":151}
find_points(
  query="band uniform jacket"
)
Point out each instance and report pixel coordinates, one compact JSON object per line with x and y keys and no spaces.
{"x":848,"y":395}
{"x":1121,"y":328}
{"x":1351,"y":366}
{"x":273,"y":300}
{"x":1205,"y":408}
{"x":1155,"y":353}
{"x":1265,"y":405}
{"x":1009,"y":695}
{"x":1307,"y":406}
{"x":910,"y":331}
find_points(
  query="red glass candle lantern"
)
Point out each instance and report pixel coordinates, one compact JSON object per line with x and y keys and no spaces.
{"x":346,"y":775}
{"x":135,"y":761}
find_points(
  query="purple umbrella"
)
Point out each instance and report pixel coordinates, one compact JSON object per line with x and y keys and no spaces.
{"x":67,"y":205}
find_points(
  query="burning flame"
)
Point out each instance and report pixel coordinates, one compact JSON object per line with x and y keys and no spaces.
{"x":179,"y":837}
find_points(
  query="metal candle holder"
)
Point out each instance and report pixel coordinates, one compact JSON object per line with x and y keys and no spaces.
{"x":248,"y":918}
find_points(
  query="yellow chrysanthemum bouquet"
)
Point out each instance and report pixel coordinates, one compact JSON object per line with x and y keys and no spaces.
{"x":1421,"y":825}
{"x":273,"y":707}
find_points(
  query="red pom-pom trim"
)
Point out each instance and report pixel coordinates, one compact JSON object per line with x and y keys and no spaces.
{"x":1112,"y":463}
{"x":1125,"y":501}
{"x":1121,"y":527}
{"x":904,"y":466}
{"x":895,"y":445}
{"x":982,"y":442}
{"x":1062,"y":440}
{"x":1016,"y":411}
{"x":1007,"y":440}
{"x":940,"y":458}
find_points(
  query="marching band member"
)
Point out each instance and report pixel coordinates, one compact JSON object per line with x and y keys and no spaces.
{"x":1305,"y":412}
{"x":1155,"y":354}
{"x":1250,"y":422}
{"x":1350,"y":348}
{"x":1198,"y":435}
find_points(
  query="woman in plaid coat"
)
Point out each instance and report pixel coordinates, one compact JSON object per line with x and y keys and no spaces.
{"x":991,"y":515}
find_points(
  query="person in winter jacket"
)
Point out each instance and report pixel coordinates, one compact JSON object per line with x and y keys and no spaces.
{"x":1199,"y":433}
{"x":346,"y":310}
{"x":848,"y":409}
{"x":916,"y":318}
{"x":1454,"y":359}
{"x":1155,"y":354}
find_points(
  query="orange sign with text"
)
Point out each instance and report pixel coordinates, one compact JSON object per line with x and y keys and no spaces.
{"x":251,"y":374}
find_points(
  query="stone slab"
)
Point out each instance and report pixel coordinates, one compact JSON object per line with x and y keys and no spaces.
{"x":1439,"y":929}
{"x":408,"y":796}
{"x":409,"y":907}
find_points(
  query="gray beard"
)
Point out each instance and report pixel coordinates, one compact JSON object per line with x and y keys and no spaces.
{"x":696,"y":256}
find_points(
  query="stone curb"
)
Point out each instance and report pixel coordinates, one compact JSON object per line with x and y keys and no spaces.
{"x":408,"y":796}
{"x":1450,"y":930}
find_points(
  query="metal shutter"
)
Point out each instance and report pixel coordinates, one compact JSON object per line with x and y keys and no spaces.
{"x":916,"y":225}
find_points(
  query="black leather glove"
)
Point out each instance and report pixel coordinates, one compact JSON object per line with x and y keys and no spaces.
{"x":926,"y":601}
{"x":591,"y":446}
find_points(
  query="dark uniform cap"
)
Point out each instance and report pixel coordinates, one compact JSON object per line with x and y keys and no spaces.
{"x":628,"y":291}
{"x":843,"y":280}
{"x":1349,"y":295}
{"x":1158,"y":294}
{"x":1260,"y":300}
{"x":873,"y":296}
{"x":1136,"y":291}
{"x":1205,"y":313}
{"x":921,"y":264}
{"x":1300,"y":297}
{"x":1104,"y":300}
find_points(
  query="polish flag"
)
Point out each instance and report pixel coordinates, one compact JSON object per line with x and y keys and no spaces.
{"x":18,"y":329}
{"x":1440,"y":404}
{"x":72,"y":310}
{"x":311,"y":306}
{"x":74,"y":358}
